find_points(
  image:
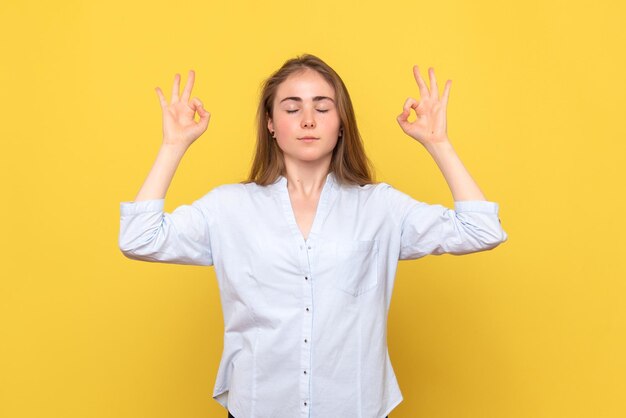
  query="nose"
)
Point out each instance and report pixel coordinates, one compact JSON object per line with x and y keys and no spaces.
{"x":308,"y":121}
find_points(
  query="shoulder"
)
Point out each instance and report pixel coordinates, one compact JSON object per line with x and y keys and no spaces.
{"x":237,"y":193}
{"x":380,"y":190}
{"x":382,"y":195}
{"x":230,"y":189}
{"x":398,"y":203}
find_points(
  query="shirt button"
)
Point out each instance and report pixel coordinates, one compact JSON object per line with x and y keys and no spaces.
{"x":305,"y":403}
{"x":306,"y":278}
{"x":305,"y":372}
{"x":307,"y":309}
{"x":305,"y":340}
{"x":309,"y":247}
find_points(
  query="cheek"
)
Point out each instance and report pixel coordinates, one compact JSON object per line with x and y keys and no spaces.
{"x":283,"y":124}
{"x":333,"y":122}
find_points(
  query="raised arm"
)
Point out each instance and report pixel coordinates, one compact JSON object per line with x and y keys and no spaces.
{"x":430,"y":129}
{"x":182,"y":237}
{"x":179,"y":132}
{"x":473,"y":225}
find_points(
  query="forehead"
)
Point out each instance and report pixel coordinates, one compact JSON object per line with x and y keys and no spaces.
{"x":305,"y":84}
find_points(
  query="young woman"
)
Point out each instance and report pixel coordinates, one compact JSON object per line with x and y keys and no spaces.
{"x":305,"y":251}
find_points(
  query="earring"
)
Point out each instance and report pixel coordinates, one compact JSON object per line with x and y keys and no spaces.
{"x":273,"y":136}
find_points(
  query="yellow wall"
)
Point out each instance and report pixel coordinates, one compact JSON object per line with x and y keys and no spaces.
{"x":535,"y":328}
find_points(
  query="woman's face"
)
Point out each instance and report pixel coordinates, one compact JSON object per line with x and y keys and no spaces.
{"x":304,"y":106}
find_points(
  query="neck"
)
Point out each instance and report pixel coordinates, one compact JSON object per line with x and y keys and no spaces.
{"x":306,"y":180}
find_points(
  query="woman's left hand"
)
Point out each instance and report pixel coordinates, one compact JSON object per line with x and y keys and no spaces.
{"x":430,"y":126}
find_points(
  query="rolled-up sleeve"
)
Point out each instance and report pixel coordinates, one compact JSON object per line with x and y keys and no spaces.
{"x":472,"y":226}
{"x":148,"y":233}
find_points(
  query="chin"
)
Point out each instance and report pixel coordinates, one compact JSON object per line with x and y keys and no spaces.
{"x":308,"y":157}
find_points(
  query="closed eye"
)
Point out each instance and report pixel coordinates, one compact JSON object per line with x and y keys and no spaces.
{"x":319,"y":110}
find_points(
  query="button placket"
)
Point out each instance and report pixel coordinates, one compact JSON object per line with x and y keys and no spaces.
{"x":305,"y":248}
{"x":307,"y":325}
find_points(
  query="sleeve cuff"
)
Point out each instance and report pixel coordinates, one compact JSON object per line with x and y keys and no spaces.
{"x":476,"y":206}
{"x":152,"y":205}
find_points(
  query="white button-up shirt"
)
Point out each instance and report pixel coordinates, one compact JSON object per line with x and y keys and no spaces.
{"x":305,"y":321}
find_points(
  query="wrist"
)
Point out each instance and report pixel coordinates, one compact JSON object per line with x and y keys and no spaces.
{"x":175,"y":150}
{"x":436,"y":148}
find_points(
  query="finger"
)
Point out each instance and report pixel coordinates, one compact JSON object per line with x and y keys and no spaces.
{"x":196,"y":105}
{"x":418,"y":106}
{"x":434,"y":90}
{"x":446,"y":92}
{"x":188,"y":87}
{"x":402,"y":120}
{"x":406,"y":109}
{"x":420,"y":82}
{"x":204,"y":117}
{"x":162,"y":99}
{"x":176,"y":88}
{"x":409,"y":104}
{"x":403,"y":117}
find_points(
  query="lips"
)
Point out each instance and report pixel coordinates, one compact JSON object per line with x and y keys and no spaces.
{"x":308,"y":137}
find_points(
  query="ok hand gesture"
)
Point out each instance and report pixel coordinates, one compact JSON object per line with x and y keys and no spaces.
{"x":430,"y":125}
{"x":179,"y":127}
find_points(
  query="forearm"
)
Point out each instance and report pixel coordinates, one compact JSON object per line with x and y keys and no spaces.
{"x":461,"y":184}
{"x":158,"y":181}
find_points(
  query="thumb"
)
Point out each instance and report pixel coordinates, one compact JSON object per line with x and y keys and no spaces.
{"x":196,"y":105}
{"x":404,"y":116}
{"x":204,"y":116}
{"x":402,"y":119}
{"x":202,"y":111}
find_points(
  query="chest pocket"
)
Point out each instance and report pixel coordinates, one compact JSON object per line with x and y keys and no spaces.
{"x":354,"y":266}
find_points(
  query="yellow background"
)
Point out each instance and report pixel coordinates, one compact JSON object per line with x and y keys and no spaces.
{"x":535,"y":328}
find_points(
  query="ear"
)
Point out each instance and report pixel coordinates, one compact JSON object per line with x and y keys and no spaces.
{"x":270,"y":124}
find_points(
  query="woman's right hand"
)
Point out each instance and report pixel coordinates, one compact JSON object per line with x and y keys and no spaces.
{"x":179,"y":127}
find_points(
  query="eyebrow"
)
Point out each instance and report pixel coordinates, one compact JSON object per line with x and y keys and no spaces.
{"x":315,"y":99}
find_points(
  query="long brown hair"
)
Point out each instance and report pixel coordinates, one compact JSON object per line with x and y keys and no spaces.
{"x":349,"y":162}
